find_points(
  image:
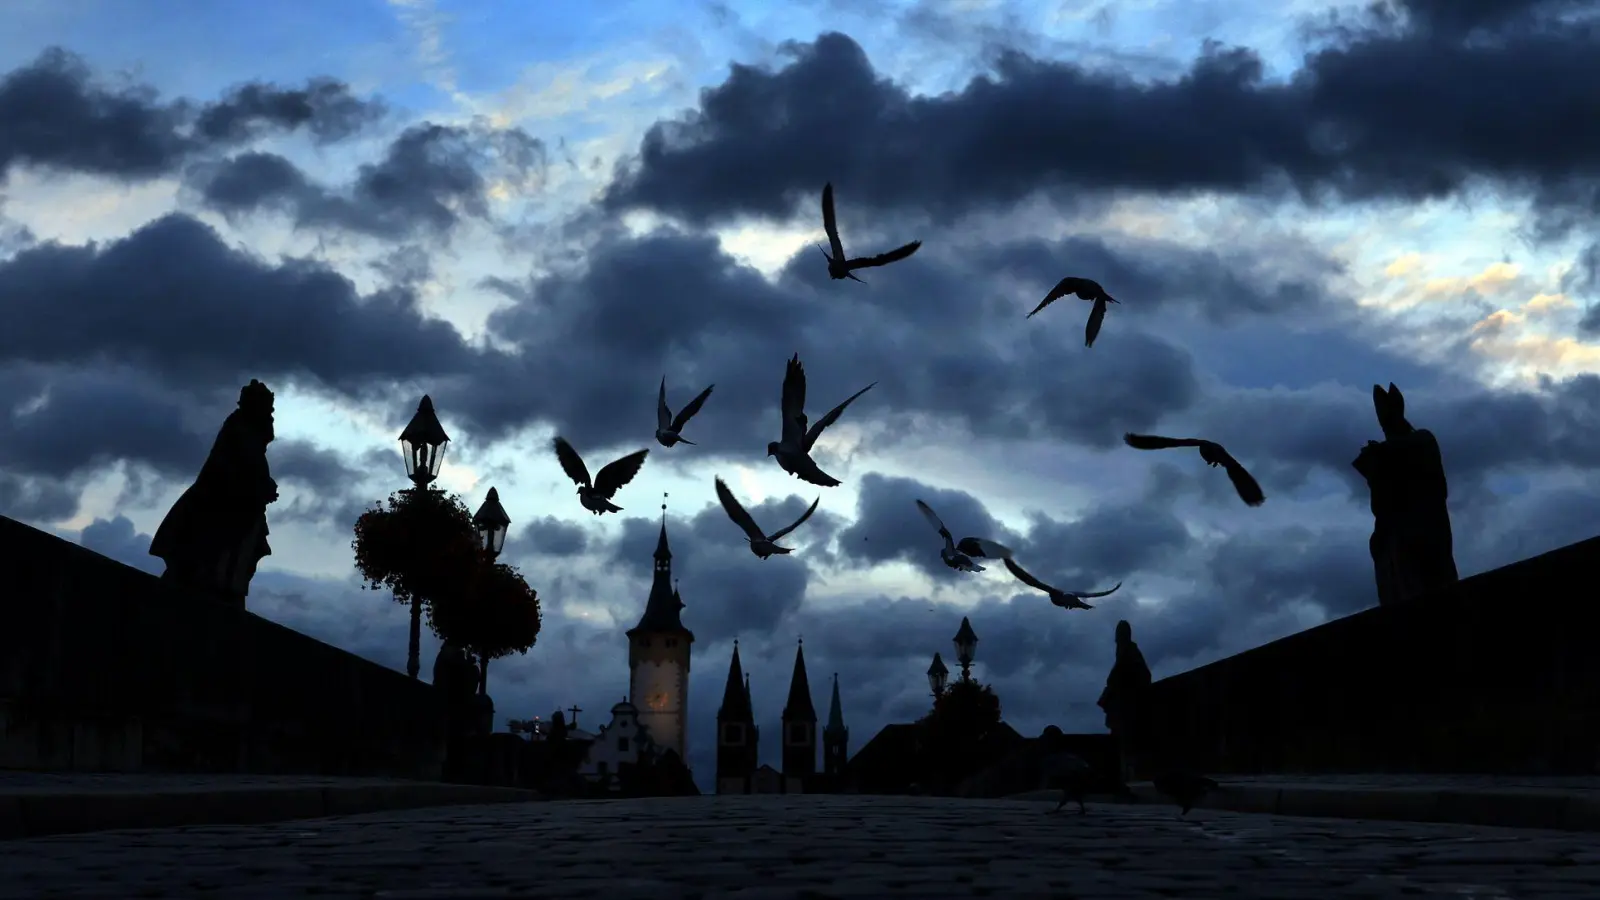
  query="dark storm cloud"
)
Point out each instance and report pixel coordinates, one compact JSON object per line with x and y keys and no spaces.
{"x":1282,"y":435}
{"x":173,"y":299}
{"x":324,"y":107}
{"x":937,"y":347}
{"x":36,"y":499}
{"x":315,"y":467}
{"x":118,"y":539}
{"x":1381,"y":113}
{"x":431,"y":177}
{"x":59,"y":422}
{"x":887,"y":525}
{"x":545,"y":536}
{"x":55,"y":114}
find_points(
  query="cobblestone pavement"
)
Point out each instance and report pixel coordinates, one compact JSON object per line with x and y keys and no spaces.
{"x":13,"y":781}
{"x":1440,"y":782}
{"x":815,"y":846}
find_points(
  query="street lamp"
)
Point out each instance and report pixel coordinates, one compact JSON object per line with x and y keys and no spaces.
{"x":938,"y":676}
{"x":966,"y":641}
{"x":422,"y":444}
{"x":491,"y":523}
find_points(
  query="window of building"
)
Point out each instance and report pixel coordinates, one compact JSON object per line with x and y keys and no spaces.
{"x":644,"y":642}
{"x":672,"y":642}
{"x":732,"y":733}
{"x":602,"y":767}
{"x":622,"y":745}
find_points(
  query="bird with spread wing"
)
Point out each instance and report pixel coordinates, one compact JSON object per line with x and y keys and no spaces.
{"x":762,"y":544}
{"x":793,"y":452}
{"x":1213,"y":453}
{"x":1063,"y":599}
{"x":958,"y":554}
{"x":668,"y":426}
{"x":596,"y":494}
{"x":1084,"y":289}
{"x":840,"y":266}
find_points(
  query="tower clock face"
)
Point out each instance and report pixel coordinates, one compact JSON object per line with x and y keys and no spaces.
{"x":657,"y":701}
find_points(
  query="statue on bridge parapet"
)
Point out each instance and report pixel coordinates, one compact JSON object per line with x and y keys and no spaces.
{"x":216,"y":533}
{"x":1412,"y":546}
{"x":1125,"y":700}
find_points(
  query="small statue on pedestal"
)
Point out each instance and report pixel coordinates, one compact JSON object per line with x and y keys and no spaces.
{"x":1412,"y":546}
{"x":216,"y":533}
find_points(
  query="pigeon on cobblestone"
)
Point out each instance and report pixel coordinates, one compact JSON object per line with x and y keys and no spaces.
{"x":1185,"y":788}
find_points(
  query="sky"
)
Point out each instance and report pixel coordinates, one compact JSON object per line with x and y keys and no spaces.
{"x":534,"y":214}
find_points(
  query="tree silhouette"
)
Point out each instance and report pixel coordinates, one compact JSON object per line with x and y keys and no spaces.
{"x":421,"y":545}
{"x":498,"y":615}
{"x":953,"y":731}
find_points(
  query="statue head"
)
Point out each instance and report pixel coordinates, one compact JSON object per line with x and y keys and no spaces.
{"x":1391,"y":408}
{"x":1124,"y":632}
{"x":255,"y":401}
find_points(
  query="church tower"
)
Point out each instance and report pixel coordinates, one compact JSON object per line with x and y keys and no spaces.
{"x":658,"y":657}
{"x":736,"y":732}
{"x":799,"y":727}
{"x":835,"y":740}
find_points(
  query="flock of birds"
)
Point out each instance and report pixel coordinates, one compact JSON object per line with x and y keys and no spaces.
{"x":792,"y":451}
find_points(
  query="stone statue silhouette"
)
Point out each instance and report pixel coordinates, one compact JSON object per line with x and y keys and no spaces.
{"x":1412,"y":547}
{"x":1124,"y":697}
{"x":216,"y":532}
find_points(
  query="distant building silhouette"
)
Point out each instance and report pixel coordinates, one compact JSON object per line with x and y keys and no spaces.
{"x":619,"y":744}
{"x":835,"y":741}
{"x":739,"y":770}
{"x":658,"y":658}
{"x":737,"y":735}
{"x":799,"y":729}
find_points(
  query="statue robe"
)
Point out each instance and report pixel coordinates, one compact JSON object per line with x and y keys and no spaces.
{"x":1412,"y":544}
{"x":216,"y":532}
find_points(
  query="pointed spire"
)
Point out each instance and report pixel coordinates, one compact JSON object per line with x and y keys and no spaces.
{"x":835,"y":711}
{"x":663,"y":552}
{"x":799,"y":707}
{"x":661,"y":609}
{"x":736,"y":695}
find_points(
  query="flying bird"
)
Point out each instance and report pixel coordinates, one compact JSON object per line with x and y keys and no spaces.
{"x":1084,"y":289}
{"x":1184,"y":788}
{"x":596,"y":495}
{"x":1063,"y":599}
{"x":958,"y":554}
{"x":793,"y":452}
{"x":1249,"y":490}
{"x":839,"y":266}
{"x":667,"y":427}
{"x":761,"y":543}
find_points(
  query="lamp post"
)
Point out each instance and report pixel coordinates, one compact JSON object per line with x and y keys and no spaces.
{"x":966,"y":641}
{"x":938,"y":676}
{"x":491,"y":523}
{"x":422,"y":444}
{"x":422,"y":447}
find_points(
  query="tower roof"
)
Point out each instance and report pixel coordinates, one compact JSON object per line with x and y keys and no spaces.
{"x":661,"y":609}
{"x":799,"y":707}
{"x":736,"y":695}
{"x":663,"y":551}
{"x":835,"y":713}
